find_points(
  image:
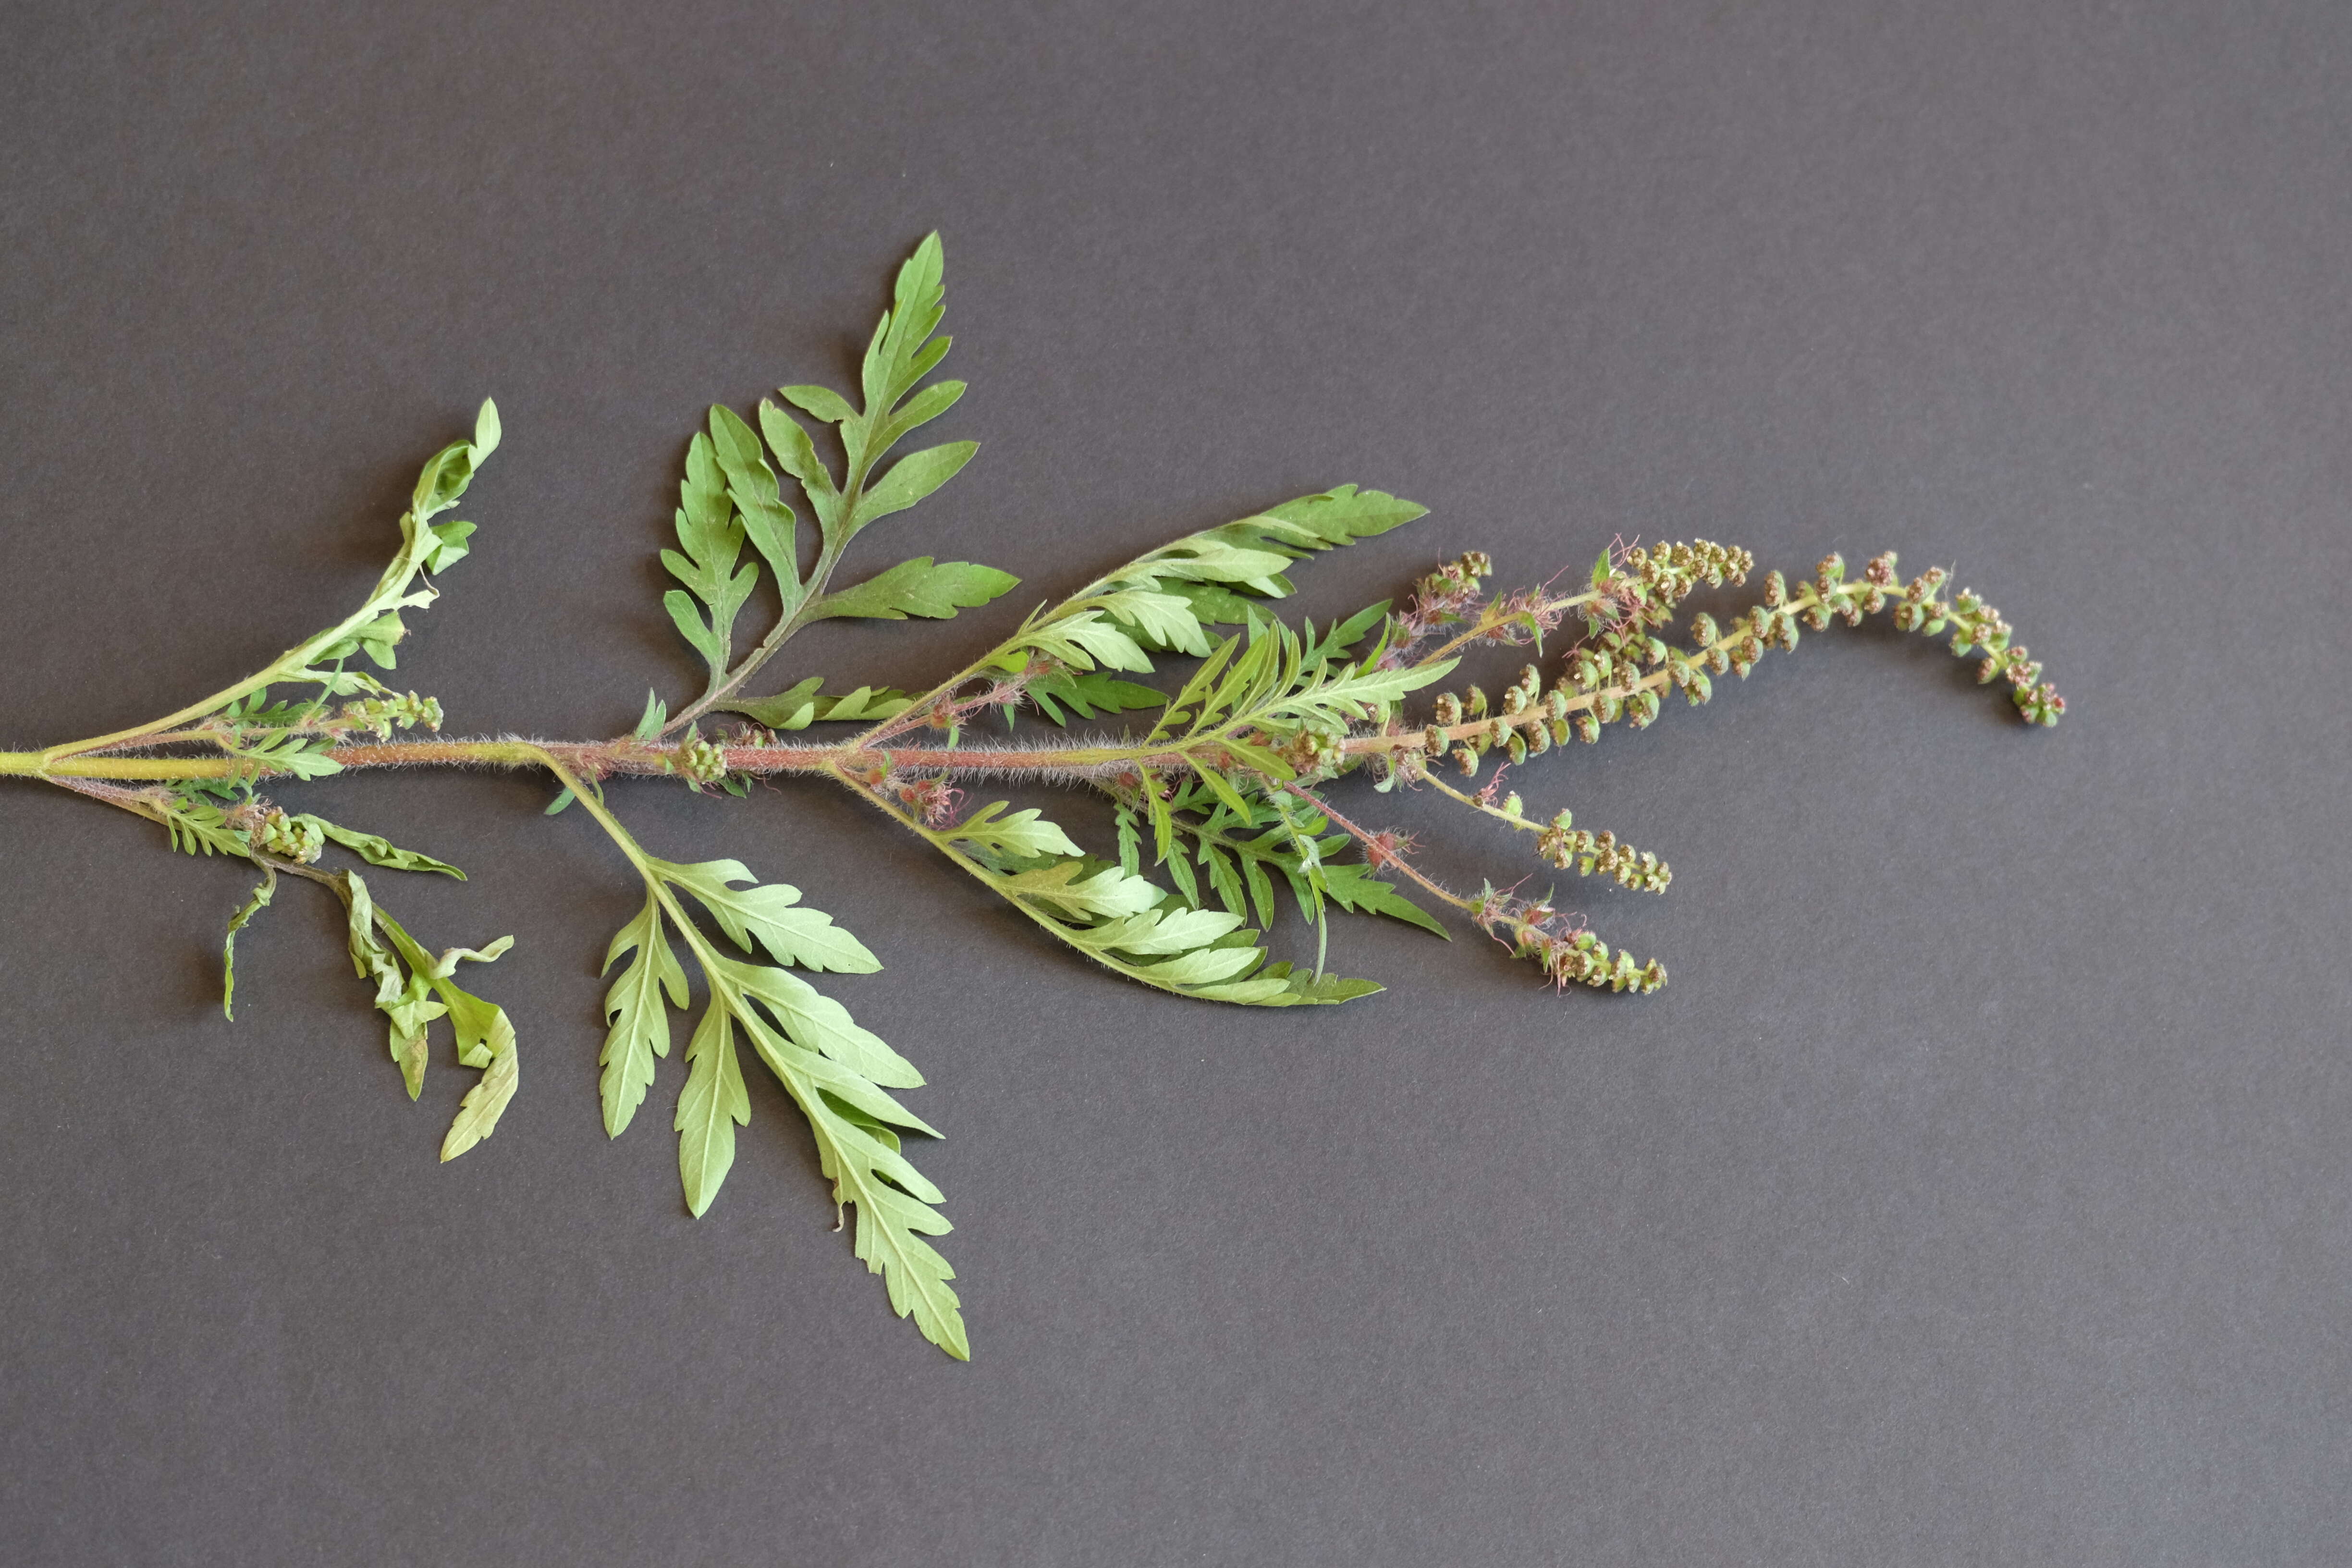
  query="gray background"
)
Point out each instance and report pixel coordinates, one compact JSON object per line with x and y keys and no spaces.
{"x":1977,"y":1193}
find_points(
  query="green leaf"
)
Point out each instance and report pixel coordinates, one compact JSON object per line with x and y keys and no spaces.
{"x":881,"y":1131}
{"x":1341,"y":639}
{"x":796,"y":454}
{"x":637,"y":1026}
{"x":1106,"y":892}
{"x":1318,"y":990}
{"x":199,"y":828}
{"x":820,"y":402}
{"x":832,"y":1069}
{"x":851,"y":1118}
{"x":869,"y":1170}
{"x":1130,"y":842}
{"x":918,"y":587}
{"x":821,"y":1024}
{"x":376,"y":851}
{"x":1224,"y":791}
{"x":408,"y":1013}
{"x":899,"y":355}
{"x":1020,"y":836}
{"x":449,"y":545}
{"x":447,"y":964}
{"x":376,"y":640}
{"x":918,"y":410}
{"x":478,"y":1112}
{"x":1163,"y":620}
{"x":486,"y":1037}
{"x":342,"y":682}
{"x":751,"y":485}
{"x":1354,"y":694}
{"x":1218,"y":576}
{"x":1257,"y":759}
{"x":1180,"y":870}
{"x":735,"y":447}
{"x":1129,"y":924}
{"x":444,"y":478}
{"x":657,"y":714}
{"x":1261,"y":888}
{"x":1163,"y":930}
{"x":1344,"y":515}
{"x":487,"y":431}
{"x":1215,"y":557}
{"x":794,"y":709}
{"x":1222,"y":572}
{"x":1088,"y":691}
{"x":1163,"y":819}
{"x":770,"y":916}
{"x":236,"y":922}
{"x":804,"y":704}
{"x":1354,"y":887}
{"x":306,"y":761}
{"x":866,"y":704}
{"x":1086,"y":639}
{"x":402,"y":998}
{"x":1224,"y":878}
{"x":691,"y":626}
{"x":710,"y":540}
{"x":911,"y":479}
{"x":713,"y":1104}
{"x":1204,"y":966}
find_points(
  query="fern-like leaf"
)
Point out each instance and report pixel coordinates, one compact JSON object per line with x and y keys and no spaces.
{"x":639,"y":1026}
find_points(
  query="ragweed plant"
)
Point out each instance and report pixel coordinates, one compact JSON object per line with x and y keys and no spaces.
{"x":1219,"y":783}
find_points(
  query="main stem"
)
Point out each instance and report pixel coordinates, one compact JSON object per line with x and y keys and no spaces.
{"x":629,"y":756}
{"x":847,"y":759}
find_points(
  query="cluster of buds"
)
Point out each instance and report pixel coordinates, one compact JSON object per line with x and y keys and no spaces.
{"x":1439,"y":599}
{"x":1629,"y":699}
{"x":701,"y":761}
{"x":1644,"y":588}
{"x":1975,"y":625}
{"x":1387,"y":847}
{"x":1569,"y":954}
{"x":1314,"y":754}
{"x":1585,"y":959}
{"x":1524,"y":616}
{"x":1648,"y":582}
{"x":1452,"y":588}
{"x":931,"y":798}
{"x":1526,"y":722}
{"x":1781,"y":620}
{"x":1608,"y":669}
{"x":1833,"y":595}
{"x":272,"y":831}
{"x":1566,"y":846}
{"x":1620,"y":669}
{"x":1003,"y":693}
{"x":382,"y":715}
{"x":1525,"y":692}
{"x":2039,"y":704}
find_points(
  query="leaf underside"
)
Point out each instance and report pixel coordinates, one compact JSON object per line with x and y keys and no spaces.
{"x":837,"y":1072}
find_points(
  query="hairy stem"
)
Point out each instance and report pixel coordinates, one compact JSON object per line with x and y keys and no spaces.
{"x":1370,"y":840}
